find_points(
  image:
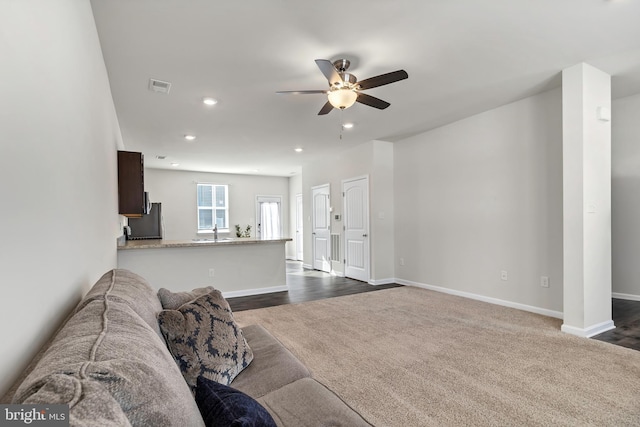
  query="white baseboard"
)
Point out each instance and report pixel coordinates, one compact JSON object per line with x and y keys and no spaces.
{"x":510,"y":304}
{"x":377,"y":282}
{"x":629,"y":297}
{"x":258,"y":291}
{"x":590,"y":331}
{"x":307,"y":266}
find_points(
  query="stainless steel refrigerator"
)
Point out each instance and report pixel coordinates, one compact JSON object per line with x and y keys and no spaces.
{"x":149,"y":226}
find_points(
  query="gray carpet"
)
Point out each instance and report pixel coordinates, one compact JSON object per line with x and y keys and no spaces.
{"x":413,"y":357}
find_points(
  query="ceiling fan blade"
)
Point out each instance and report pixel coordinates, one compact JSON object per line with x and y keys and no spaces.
{"x":300,"y":92}
{"x":372,"y":101}
{"x":326,"y":109}
{"x":383,"y":79}
{"x":329,"y":71}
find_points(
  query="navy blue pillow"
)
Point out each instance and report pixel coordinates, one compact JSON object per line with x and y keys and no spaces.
{"x":223,"y":406}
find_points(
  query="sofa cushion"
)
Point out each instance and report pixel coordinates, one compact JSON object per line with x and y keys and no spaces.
{"x":108,"y":342}
{"x":173,"y":300}
{"x":306,"y":402}
{"x":223,"y":406}
{"x":89,"y":402}
{"x":273,"y":366}
{"x":205,"y":340}
{"x":127,"y":287}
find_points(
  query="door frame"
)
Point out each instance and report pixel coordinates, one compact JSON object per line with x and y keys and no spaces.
{"x":260,"y":199}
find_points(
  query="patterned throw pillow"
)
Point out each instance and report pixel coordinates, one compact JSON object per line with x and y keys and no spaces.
{"x":173,"y":300}
{"x":205,"y":340}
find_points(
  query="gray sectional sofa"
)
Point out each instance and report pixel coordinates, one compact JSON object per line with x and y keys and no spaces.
{"x":111,"y":364}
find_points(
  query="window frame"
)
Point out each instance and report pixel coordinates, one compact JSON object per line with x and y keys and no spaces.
{"x":213,"y":209}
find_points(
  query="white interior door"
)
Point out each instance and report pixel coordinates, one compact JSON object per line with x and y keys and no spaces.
{"x":321,"y":223}
{"x":356,"y":228}
{"x":299,"y":228}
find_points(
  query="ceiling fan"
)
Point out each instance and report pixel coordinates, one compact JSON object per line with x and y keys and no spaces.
{"x":345,"y":89}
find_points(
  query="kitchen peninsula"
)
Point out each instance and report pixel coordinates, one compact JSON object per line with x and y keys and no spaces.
{"x":236,"y":267}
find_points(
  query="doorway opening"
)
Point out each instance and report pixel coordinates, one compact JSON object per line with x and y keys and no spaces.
{"x":269,"y":215}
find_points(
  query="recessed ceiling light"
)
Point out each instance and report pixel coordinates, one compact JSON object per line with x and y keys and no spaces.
{"x":174,"y":164}
{"x":189,"y":137}
{"x":209,"y":101}
{"x":347,"y":125}
{"x":298,"y":150}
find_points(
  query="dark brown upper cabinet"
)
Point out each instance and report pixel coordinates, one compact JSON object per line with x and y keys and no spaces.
{"x":131,"y":197}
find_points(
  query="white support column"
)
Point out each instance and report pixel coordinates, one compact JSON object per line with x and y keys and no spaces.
{"x":586,"y":128}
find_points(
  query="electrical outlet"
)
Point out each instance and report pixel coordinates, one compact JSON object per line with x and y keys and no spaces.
{"x":544,"y":281}
{"x":504,"y":275}
{"x":212,"y":272}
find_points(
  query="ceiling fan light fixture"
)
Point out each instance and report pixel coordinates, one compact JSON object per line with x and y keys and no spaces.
{"x":342,"y":98}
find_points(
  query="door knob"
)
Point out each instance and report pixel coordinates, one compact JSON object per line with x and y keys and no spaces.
{"x":364,"y":235}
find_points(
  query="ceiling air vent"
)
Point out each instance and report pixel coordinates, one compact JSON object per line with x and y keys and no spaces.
{"x":159,"y":86}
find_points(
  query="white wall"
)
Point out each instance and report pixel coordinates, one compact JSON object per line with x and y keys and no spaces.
{"x":382,"y":213}
{"x":483,"y":195}
{"x":176,"y":190}
{"x":58,"y":140}
{"x":375,"y":160}
{"x":625,"y":196}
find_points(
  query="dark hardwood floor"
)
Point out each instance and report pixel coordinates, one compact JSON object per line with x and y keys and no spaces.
{"x":309,"y":285}
{"x":626,"y":317}
{"x":305,"y":285}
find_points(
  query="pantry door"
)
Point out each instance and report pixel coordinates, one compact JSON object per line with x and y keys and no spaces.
{"x":299,"y":228}
{"x":356,"y":228}
{"x":321,"y":228}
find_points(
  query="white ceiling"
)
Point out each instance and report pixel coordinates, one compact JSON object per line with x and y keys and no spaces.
{"x":463,"y":57}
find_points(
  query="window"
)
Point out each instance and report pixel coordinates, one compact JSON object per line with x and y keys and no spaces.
{"x":213,"y":207}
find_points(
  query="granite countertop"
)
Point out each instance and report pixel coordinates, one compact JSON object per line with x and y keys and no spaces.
{"x":161,"y":243}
